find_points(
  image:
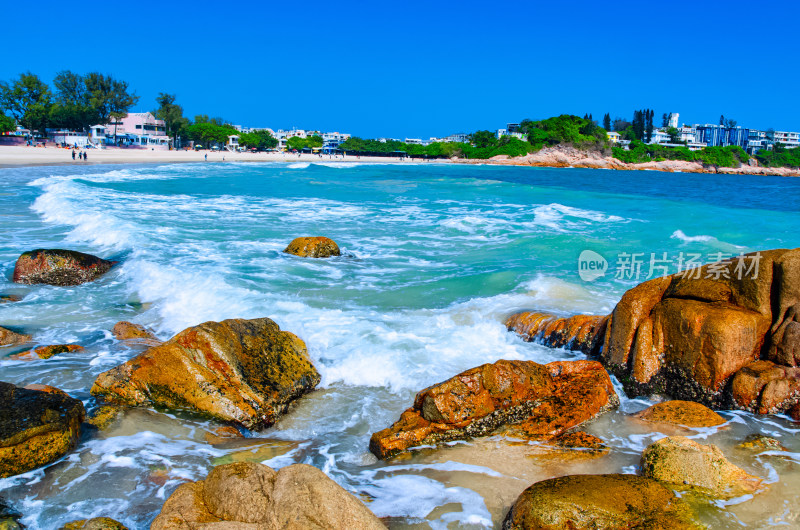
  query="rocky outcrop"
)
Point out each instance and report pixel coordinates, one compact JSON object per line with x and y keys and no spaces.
{"x":518,"y":398}
{"x":766,"y":388}
{"x":10,"y":338}
{"x":682,"y":462}
{"x":589,"y":502}
{"x":688,"y":335}
{"x":683,"y":413}
{"x":97,"y":523}
{"x":313,"y":247}
{"x":580,"y":332}
{"x":59,"y":267}
{"x":128,"y":331}
{"x":36,"y":427}
{"x":241,"y":371}
{"x":250,"y":495}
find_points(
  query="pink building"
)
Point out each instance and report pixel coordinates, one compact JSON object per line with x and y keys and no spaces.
{"x":138,"y":129}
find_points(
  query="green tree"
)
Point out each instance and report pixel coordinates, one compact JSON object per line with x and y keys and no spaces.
{"x":260,"y":140}
{"x":481,"y":139}
{"x":674,"y":135}
{"x":296,"y":143}
{"x":172,"y":114}
{"x":109,"y":97}
{"x":72,"y":109}
{"x":28,"y":100}
{"x":7,"y":124}
{"x":607,"y":122}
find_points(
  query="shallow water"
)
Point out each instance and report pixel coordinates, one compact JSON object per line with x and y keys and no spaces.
{"x":435,"y":257}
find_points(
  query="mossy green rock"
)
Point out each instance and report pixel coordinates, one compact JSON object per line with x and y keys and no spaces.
{"x":59,"y":267}
{"x":686,"y":464}
{"x":98,"y":523}
{"x":242,"y":371}
{"x":590,"y":502}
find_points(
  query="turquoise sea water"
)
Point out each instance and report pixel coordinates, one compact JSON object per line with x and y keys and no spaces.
{"x":436,"y":256}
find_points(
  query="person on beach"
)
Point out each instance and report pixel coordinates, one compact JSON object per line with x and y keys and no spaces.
{"x":73,"y":154}
{"x":85,"y":156}
{"x":206,"y":157}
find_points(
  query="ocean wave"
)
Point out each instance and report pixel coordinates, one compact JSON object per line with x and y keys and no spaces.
{"x":709,"y":240}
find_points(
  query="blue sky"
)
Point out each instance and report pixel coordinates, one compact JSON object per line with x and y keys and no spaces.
{"x":420,"y":69}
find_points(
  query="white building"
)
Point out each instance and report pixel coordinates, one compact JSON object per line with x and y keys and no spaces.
{"x":413,"y":141}
{"x":506,"y":132}
{"x":673,"y":119}
{"x":787,"y":139}
{"x":613,"y":137}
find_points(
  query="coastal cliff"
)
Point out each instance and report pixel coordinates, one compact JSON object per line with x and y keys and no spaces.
{"x":567,"y":156}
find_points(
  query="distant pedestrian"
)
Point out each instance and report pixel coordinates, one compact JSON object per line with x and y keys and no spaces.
{"x":85,"y":156}
{"x":206,"y":157}
{"x":73,"y":154}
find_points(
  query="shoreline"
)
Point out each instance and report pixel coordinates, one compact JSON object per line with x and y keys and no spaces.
{"x":550,"y":157}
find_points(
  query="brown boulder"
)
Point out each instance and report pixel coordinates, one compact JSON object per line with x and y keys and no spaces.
{"x":59,"y":267}
{"x":251,"y":495}
{"x":9,"y":338}
{"x":682,"y":462}
{"x":580,"y":332}
{"x":525,"y":398}
{"x":241,"y":371}
{"x":685,"y":413}
{"x":313,"y":247}
{"x":130,"y":331}
{"x":36,"y":427}
{"x":589,"y":502}
{"x":766,"y":388}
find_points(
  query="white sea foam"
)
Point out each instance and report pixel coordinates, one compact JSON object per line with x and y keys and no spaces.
{"x":710,"y":241}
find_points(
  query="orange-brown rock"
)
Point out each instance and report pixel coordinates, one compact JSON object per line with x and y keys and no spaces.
{"x":45,"y":352}
{"x":250,"y":495}
{"x":36,"y":427}
{"x":59,"y":267}
{"x":240,"y":371}
{"x":313,"y":247}
{"x":134,"y":332}
{"x":521,"y":398}
{"x":9,"y":338}
{"x":590,"y":502}
{"x":580,"y":332}
{"x":766,"y":388}
{"x":685,"y":413}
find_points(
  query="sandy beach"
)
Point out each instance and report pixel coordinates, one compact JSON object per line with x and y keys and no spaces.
{"x":18,"y":156}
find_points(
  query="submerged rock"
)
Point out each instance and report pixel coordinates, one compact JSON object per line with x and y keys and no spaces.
{"x":134,"y":332}
{"x":518,"y":398}
{"x":760,"y":442}
{"x":590,"y":502}
{"x":10,"y":338}
{"x":241,"y":371}
{"x":685,"y":413}
{"x":8,"y":298}
{"x":36,"y":427}
{"x":683,"y":462}
{"x":250,"y":495}
{"x":97,"y":523}
{"x":59,"y":267}
{"x":45,"y":352}
{"x":313,"y":247}
{"x":104,"y":416}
